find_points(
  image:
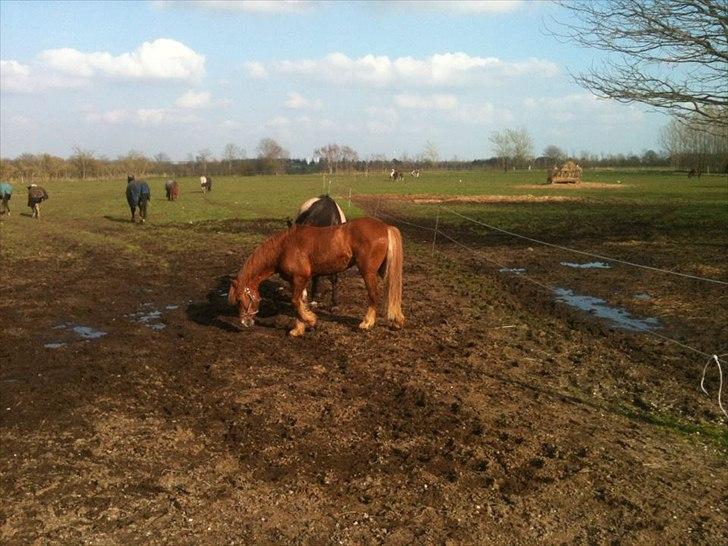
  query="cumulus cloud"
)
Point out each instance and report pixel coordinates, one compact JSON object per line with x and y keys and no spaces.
{"x":238,"y":6}
{"x":162,"y":59}
{"x":426,"y":102}
{"x":296,"y":101}
{"x":445,"y":69}
{"x":191,"y":99}
{"x":16,"y":77}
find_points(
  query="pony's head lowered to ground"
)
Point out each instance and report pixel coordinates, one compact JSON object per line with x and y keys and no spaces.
{"x":247,"y":299}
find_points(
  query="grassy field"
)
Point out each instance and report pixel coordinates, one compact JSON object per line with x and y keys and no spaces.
{"x":495,"y":416}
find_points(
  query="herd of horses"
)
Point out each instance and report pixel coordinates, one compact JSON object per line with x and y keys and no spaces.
{"x":398,"y":175}
{"x":36,"y":195}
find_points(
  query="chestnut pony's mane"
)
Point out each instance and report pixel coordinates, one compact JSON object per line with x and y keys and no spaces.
{"x":263,"y":256}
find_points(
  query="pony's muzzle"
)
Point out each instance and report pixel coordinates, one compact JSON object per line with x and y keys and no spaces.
{"x":247,"y":321}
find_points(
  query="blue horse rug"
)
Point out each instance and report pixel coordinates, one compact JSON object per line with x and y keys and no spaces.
{"x":137,"y":191}
{"x":5,"y":189}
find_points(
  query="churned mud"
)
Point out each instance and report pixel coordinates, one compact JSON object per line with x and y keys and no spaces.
{"x":497,"y":415}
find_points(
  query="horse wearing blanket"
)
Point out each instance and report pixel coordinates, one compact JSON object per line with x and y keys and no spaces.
{"x":320,"y":211}
{"x":138,"y":195}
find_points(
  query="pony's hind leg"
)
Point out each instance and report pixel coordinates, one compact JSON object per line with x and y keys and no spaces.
{"x":334,"y":281}
{"x":305,"y":317}
{"x":370,"y":280}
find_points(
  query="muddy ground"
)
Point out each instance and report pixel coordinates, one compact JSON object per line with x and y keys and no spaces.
{"x":495,"y":416}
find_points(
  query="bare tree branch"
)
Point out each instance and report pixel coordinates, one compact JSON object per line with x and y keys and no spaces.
{"x":669,"y":54}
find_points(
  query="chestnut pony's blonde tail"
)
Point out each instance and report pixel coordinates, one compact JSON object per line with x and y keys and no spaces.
{"x":393,"y":276}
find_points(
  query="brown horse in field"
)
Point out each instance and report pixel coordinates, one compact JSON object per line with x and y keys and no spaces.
{"x":303,"y":251}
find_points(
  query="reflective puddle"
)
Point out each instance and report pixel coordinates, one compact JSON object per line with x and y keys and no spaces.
{"x":151,"y":318}
{"x":590,"y":265}
{"x":54,"y":345}
{"x":598,"y":307}
{"x":644,"y":296}
{"x":514,"y":270}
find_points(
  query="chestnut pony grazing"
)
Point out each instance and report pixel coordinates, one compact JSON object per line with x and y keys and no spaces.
{"x":303,"y":251}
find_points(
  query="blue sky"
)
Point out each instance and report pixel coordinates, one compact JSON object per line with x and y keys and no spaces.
{"x":381,"y":77}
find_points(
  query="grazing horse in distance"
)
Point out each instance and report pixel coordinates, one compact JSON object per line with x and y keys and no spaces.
{"x":205,"y":184}
{"x":138,"y":194}
{"x":36,"y":195}
{"x":396,"y":175}
{"x":6,"y":192}
{"x":695,"y":172}
{"x":300,"y":252}
{"x":415,"y":173}
{"x":321,"y":211}
{"x":171,"y":187}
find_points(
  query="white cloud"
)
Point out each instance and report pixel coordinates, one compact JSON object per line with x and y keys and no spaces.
{"x":256,"y":70}
{"x":162,"y":59}
{"x":141,"y":116}
{"x":483,"y":114}
{"x":22,"y":78}
{"x":445,"y":69}
{"x":577,"y":107}
{"x":237,"y":6}
{"x":14,"y":76}
{"x":110,"y":116}
{"x":464,"y":6}
{"x":426,"y":102}
{"x":193,"y":100}
{"x":297,"y":101}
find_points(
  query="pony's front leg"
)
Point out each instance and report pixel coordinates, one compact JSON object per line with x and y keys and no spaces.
{"x":370,"y":280}
{"x":306,"y":317}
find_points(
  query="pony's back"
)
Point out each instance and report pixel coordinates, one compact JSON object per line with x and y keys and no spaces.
{"x":322,"y":212}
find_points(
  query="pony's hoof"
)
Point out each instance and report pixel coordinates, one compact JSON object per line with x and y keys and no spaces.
{"x":295,"y":333}
{"x":365,"y":325}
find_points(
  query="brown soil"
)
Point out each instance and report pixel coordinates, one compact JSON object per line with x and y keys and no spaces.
{"x":577,"y":186}
{"x":429,"y":199}
{"x":495,"y":416}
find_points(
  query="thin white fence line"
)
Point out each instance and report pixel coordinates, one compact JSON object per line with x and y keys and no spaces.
{"x":591,"y":254}
{"x":712,"y":357}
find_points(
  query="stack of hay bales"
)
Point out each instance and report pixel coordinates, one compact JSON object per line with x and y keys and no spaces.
{"x":568,"y":173}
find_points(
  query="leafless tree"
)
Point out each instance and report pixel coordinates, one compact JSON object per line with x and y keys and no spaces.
{"x":430,"y":156}
{"x":669,"y":54}
{"x":83,"y":160}
{"x":272,"y":153}
{"x":202,"y":157}
{"x":230,"y":153}
{"x":514,"y":147}
{"x":690,"y":147}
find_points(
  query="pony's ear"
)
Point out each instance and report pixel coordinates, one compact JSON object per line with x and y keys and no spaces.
{"x":233,"y":292}
{"x":289,"y":222}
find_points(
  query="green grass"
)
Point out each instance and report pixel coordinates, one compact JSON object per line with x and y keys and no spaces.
{"x":647,"y":204}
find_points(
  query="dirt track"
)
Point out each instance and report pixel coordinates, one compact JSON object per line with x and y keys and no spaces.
{"x":491,"y":417}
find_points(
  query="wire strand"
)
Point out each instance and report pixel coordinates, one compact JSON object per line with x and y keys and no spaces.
{"x":591,"y":254}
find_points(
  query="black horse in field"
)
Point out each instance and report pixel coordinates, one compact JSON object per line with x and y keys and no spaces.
{"x":321,"y":211}
{"x":138,"y":195}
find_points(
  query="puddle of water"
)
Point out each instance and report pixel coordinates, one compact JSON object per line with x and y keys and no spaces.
{"x":54,"y":345}
{"x":86,"y":332}
{"x":644,"y":296}
{"x":150,"y":319}
{"x":598,"y":307}
{"x":515,"y":270}
{"x":171,"y":307}
{"x":590,"y":265}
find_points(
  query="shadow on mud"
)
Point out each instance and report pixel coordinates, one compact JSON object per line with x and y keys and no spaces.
{"x":217,"y":312}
